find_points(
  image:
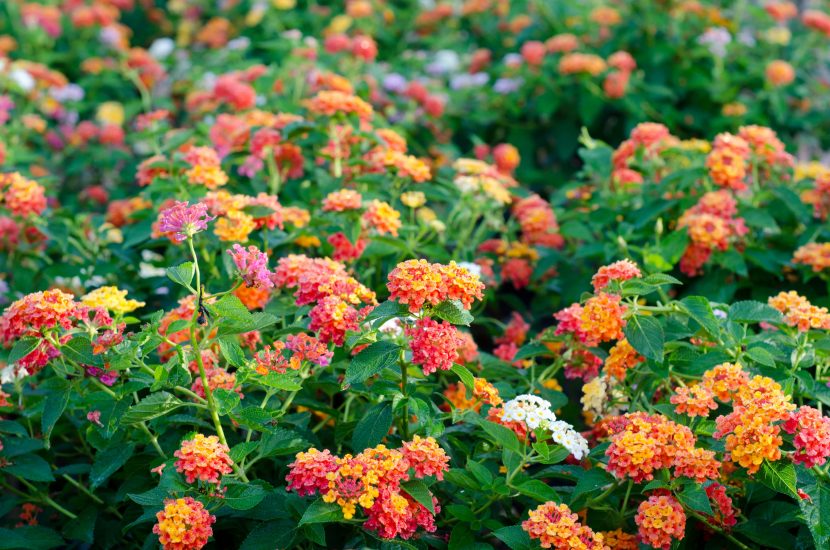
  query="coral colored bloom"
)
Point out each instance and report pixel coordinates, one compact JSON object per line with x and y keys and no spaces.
{"x":203,"y":458}
{"x":308,"y":473}
{"x":417,"y":282}
{"x":779,"y":73}
{"x":602,"y":318}
{"x":382,"y":217}
{"x":812,"y":436}
{"x":815,"y":255}
{"x":184,"y":524}
{"x":660,"y":520}
{"x":309,"y":348}
{"x":620,"y":271}
{"x":434,"y":345}
{"x":340,"y":201}
{"x":425,"y":457}
{"x":555,"y":526}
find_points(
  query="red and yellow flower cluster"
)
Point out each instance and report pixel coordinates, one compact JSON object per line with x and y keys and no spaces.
{"x":418,"y":282}
{"x":555,"y":526}
{"x":203,"y":458}
{"x":184,"y":524}
{"x":372,"y":480}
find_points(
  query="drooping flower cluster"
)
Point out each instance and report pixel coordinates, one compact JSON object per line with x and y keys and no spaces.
{"x":371,"y":480}
{"x":184,"y":524}
{"x":642,"y":444}
{"x":660,"y":521}
{"x":711,"y":225}
{"x":799,"y":312}
{"x":418,"y":282}
{"x":556,"y":526}
{"x":203,"y":458}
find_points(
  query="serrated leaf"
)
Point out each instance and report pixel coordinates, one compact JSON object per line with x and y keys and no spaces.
{"x":531,"y":350}
{"x":514,"y":537}
{"x":226,"y":400}
{"x":700,"y":310}
{"x":750,"y":311}
{"x":370,"y":361}
{"x":232,"y":351}
{"x":22,"y":348}
{"x":243,"y":496}
{"x":108,"y":462}
{"x":762,"y":356}
{"x":538,"y":490}
{"x":182,"y":274}
{"x":418,"y":490}
{"x":385,"y":311}
{"x":645,"y":334}
{"x":373,"y":427}
{"x":453,"y":311}
{"x":31,"y":467}
{"x":779,"y":476}
{"x":321,"y":512}
{"x":693,"y":496}
{"x":53,"y":407}
{"x":152,"y":406}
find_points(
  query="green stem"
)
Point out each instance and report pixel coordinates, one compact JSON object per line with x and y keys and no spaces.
{"x":194,"y":344}
{"x":404,"y":382}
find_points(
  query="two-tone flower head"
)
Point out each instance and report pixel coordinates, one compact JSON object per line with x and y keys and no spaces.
{"x":183,"y":220}
{"x":203,"y":458}
{"x":184,"y":524}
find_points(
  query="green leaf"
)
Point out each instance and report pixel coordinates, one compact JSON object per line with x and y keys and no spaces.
{"x":779,"y":476}
{"x":539,"y":490}
{"x":226,"y":400}
{"x":816,"y":510}
{"x":182,"y":274}
{"x":385,"y":311}
{"x":31,"y":467}
{"x":531,"y":350}
{"x":79,"y":349}
{"x":153,"y":497}
{"x":761,"y":355}
{"x":661,"y":279}
{"x":505,"y":437}
{"x":373,"y":427}
{"x":22,"y":348}
{"x":700,"y":310}
{"x":418,"y":490}
{"x":453,"y":312}
{"x":53,"y":407}
{"x":30,"y":537}
{"x":466,"y":378}
{"x":645,"y":334}
{"x":694,"y":497}
{"x":370,"y":361}
{"x":232,"y":351}
{"x":267,"y":536}
{"x":243,"y":496}
{"x":514,"y":537}
{"x":321,"y":512}
{"x":152,"y":406}
{"x":750,"y":311}
{"x":284,"y":381}
{"x":231,"y":307}
{"x":82,"y":528}
{"x":108,"y":462}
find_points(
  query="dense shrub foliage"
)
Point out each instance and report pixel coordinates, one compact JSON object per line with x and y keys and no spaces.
{"x":503,"y":274}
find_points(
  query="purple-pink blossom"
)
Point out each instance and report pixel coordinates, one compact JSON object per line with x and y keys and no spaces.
{"x":252,"y":265}
{"x":183,"y":220}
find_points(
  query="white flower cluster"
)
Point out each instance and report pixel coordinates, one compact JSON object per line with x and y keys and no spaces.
{"x":536,"y":413}
{"x":564,"y":434}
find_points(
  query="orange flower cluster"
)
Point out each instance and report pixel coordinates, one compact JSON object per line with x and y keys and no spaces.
{"x":184,"y":524}
{"x":556,"y":526}
{"x":342,"y":200}
{"x":576,"y":63}
{"x":815,"y":255}
{"x":660,"y":520}
{"x":765,"y":145}
{"x":330,"y":103}
{"x":728,"y":162}
{"x":205,"y":168}
{"x":483,"y":393}
{"x":642,"y":444}
{"x":382,"y":217}
{"x":799,"y":312}
{"x":602,"y":318}
{"x":21,"y":196}
{"x":407,"y":166}
{"x":34,"y":314}
{"x":538,"y":222}
{"x":217,"y":378}
{"x":711,"y":225}
{"x":622,"y":270}
{"x":203,"y":458}
{"x":751,"y":432}
{"x":417,"y":282}
{"x":372,"y":480}
{"x":621,"y":358}
{"x":434,"y":345}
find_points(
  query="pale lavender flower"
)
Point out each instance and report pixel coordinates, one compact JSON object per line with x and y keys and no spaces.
{"x":252,"y":265}
{"x":507,"y":85}
{"x":716,"y":39}
{"x":394,"y":82}
{"x":184,"y":220}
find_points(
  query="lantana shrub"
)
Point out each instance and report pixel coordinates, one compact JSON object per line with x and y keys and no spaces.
{"x":264,"y":286}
